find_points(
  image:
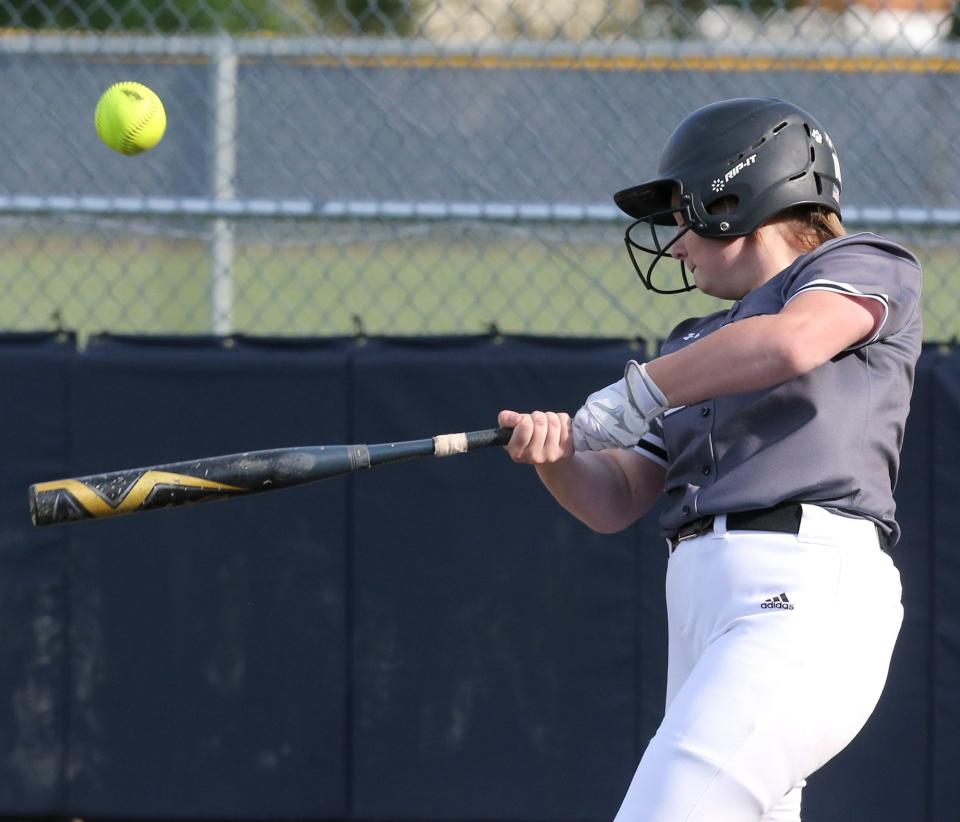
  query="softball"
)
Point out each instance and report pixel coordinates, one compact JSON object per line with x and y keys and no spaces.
{"x":130,"y":118}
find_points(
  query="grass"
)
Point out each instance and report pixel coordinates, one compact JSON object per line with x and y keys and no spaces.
{"x":291,"y":278}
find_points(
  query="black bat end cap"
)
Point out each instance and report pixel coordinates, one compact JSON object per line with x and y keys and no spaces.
{"x":32,"y":503}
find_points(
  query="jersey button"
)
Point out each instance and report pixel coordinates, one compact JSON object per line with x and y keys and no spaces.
{"x":704,"y":411}
{"x":705,"y":469}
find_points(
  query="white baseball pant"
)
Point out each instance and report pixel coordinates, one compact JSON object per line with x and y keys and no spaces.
{"x":779,"y":647}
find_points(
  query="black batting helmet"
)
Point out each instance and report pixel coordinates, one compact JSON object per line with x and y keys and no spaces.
{"x":728,"y":168}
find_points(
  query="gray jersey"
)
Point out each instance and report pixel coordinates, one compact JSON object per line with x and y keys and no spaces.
{"x":831,"y":436}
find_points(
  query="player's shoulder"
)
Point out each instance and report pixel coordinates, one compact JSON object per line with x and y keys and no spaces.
{"x":865,"y":246}
{"x":863,"y":262}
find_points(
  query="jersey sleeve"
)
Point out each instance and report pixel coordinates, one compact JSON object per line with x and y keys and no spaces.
{"x":652,"y":445}
{"x":883,"y":272}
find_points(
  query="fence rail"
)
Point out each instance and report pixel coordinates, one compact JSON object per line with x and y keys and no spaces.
{"x":23,"y":204}
{"x":896,"y":55}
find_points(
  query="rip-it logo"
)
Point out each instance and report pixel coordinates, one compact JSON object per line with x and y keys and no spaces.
{"x":721,"y":182}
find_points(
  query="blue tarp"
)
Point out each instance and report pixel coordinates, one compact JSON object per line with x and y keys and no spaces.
{"x":433,"y":640}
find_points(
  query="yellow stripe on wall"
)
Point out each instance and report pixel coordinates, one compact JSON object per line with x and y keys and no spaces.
{"x":704,"y":63}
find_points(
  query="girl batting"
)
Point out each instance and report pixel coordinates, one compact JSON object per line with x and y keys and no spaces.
{"x":773,"y":429}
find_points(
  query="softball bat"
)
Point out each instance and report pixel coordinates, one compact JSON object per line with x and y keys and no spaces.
{"x":212,"y":478}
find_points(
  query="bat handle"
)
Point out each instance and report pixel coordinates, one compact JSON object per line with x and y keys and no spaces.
{"x":492,"y":436}
{"x":446,"y":445}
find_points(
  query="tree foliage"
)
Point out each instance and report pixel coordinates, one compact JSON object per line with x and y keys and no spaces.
{"x":202,"y":16}
{"x":367,"y":16}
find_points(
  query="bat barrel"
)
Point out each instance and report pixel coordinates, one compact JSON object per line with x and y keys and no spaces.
{"x":185,"y":483}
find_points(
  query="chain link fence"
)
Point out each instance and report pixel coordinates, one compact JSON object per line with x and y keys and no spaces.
{"x":430,"y":166}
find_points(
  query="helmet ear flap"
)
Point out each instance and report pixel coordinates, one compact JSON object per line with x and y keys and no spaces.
{"x":724,"y":204}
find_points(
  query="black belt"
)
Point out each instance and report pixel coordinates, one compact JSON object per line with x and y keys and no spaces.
{"x":783,"y":519}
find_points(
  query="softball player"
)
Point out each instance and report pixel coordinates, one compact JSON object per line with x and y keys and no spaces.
{"x":773,"y":428}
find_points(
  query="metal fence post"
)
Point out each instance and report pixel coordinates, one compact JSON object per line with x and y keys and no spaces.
{"x":223,"y":183}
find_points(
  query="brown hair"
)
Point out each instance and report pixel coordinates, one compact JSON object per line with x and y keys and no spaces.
{"x":810,"y":226}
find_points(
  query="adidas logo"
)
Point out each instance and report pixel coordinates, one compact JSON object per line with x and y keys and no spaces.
{"x":780,"y":602}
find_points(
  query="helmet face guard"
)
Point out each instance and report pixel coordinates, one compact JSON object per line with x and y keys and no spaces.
{"x":656,"y":248}
{"x":728,"y":168}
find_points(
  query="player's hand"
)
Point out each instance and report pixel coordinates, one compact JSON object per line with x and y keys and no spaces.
{"x":619,"y":415}
{"x":539,"y":438}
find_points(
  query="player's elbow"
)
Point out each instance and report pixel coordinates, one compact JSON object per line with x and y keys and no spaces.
{"x":608,"y":515}
{"x":619,"y":513}
{"x":612,"y":524}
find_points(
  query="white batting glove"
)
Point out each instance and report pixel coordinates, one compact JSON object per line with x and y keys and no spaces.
{"x":619,"y":415}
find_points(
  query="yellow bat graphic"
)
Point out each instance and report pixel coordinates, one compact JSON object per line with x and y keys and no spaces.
{"x":98,"y":505}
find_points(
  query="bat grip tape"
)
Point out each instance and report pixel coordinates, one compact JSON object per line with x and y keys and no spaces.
{"x":446,"y":445}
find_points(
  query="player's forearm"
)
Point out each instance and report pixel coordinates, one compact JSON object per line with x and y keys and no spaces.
{"x":749,"y":355}
{"x":594,"y":488}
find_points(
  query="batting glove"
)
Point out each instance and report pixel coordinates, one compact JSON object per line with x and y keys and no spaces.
{"x":619,"y":415}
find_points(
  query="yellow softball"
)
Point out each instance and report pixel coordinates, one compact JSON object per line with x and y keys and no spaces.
{"x":130,"y":118}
